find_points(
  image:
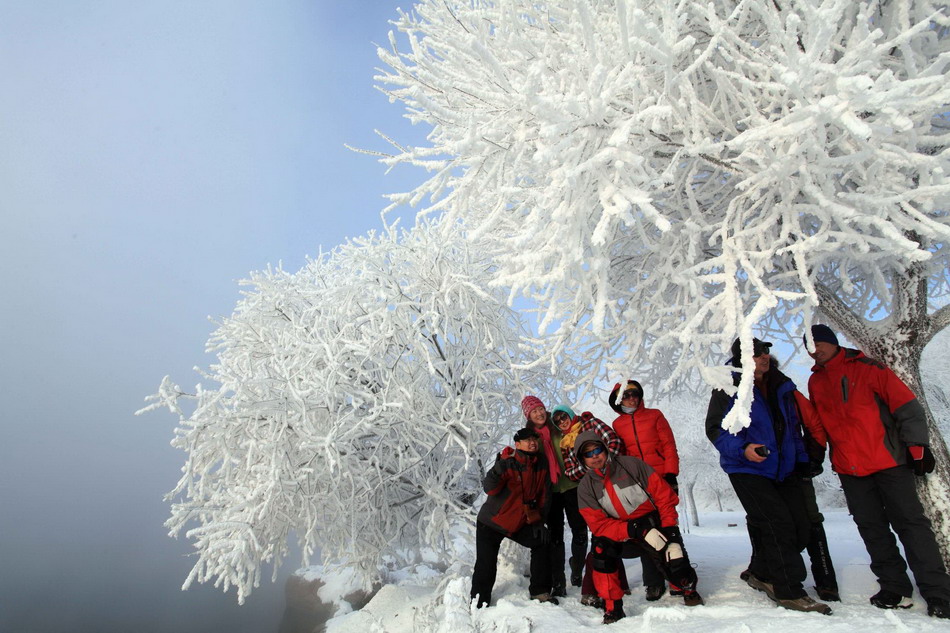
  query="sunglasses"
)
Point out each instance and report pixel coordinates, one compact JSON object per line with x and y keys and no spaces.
{"x":594,"y":452}
{"x":631,"y":394}
{"x":560,"y":417}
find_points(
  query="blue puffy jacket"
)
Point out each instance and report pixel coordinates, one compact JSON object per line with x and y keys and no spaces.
{"x":780,"y":431}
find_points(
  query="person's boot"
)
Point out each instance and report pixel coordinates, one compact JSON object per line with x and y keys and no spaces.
{"x":676,"y":591}
{"x":938,"y":608}
{"x":822,"y":569}
{"x":655,"y":592}
{"x":691,"y":598}
{"x":885,"y":599}
{"x":545,"y":597}
{"x":615,"y":613}
{"x":577,"y":571}
{"x":805,"y":603}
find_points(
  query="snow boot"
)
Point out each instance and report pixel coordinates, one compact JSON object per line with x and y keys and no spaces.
{"x":885,"y":599}
{"x":559,"y":591}
{"x":577,"y":570}
{"x":828,"y":594}
{"x":590,"y":600}
{"x":545,"y":597}
{"x":692,"y":598}
{"x":938,"y":608}
{"x":614,"y":614}
{"x":676,"y":591}
{"x":760,"y":585}
{"x":655,"y":592}
{"x":805,"y":603}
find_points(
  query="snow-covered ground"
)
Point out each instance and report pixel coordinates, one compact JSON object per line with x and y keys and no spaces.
{"x":421,"y":600}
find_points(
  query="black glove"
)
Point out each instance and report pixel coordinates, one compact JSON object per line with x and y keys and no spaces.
{"x":541,"y":533}
{"x":815,"y":468}
{"x":672,"y":534}
{"x":921,"y":460}
{"x":803,"y":470}
{"x":671,"y":479}
{"x":637,"y":528}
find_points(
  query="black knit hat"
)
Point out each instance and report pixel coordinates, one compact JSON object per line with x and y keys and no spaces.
{"x":526,"y":433}
{"x":822,"y":334}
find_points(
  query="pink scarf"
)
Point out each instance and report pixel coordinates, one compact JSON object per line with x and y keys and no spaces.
{"x":554,"y":468}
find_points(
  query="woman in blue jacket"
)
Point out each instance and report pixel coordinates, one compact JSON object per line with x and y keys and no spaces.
{"x":763,"y":462}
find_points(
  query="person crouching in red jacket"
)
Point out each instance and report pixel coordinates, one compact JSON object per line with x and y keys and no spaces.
{"x":631,"y":512}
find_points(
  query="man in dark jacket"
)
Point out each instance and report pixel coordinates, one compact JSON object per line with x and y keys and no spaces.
{"x":631,"y":512}
{"x":764,"y":462}
{"x":878,"y":436}
{"x":519,"y":494}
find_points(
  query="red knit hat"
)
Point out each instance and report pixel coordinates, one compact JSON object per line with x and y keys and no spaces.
{"x":529,"y":404}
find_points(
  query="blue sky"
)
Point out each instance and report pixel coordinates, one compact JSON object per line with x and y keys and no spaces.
{"x":151,"y":155}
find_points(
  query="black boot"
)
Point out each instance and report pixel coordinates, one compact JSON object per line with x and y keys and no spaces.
{"x":577,"y":571}
{"x":822,"y":569}
{"x":614,"y":614}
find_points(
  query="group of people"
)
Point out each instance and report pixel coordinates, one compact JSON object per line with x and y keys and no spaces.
{"x":620,"y":483}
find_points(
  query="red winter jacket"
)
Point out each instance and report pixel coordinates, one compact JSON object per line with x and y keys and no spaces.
{"x":516,"y":484}
{"x":865,"y":412}
{"x":647,"y":435}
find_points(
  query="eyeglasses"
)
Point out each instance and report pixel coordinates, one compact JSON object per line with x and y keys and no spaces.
{"x":560,"y":417}
{"x":630,"y":394}
{"x":594,"y":452}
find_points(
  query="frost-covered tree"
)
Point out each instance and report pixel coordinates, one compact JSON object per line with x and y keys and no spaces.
{"x":666,"y":175}
{"x":353,"y":403}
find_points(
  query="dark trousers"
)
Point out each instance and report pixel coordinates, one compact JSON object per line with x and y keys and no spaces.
{"x":779,"y":529}
{"x":564,"y":504}
{"x":888,"y":499}
{"x":487,"y":544}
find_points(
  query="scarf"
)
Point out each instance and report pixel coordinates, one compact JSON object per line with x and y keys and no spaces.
{"x":554,"y":467}
{"x":567,"y":441}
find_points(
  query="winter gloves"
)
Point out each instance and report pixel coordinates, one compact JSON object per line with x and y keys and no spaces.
{"x":921,"y":460}
{"x":541,"y":533}
{"x":671,"y":479}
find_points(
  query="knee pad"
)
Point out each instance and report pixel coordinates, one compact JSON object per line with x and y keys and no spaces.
{"x":605,"y":560}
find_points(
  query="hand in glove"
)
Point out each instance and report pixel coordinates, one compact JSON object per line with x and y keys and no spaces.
{"x":671,"y":479}
{"x":921,"y":460}
{"x":672,"y":534}
{"x":541,"y":533}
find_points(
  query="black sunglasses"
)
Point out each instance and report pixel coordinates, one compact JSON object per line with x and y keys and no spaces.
{"x":560,"y":416}
{"x":594,"y":452}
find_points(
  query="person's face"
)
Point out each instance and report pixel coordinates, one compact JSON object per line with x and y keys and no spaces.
{"x":529,"y":445}
{"x":823,"y":352}
{"x":762,"y":362}
{"x":538,"y":416}
{"x":630,"y":399}
{"x":594,"y":461}
{"x":563,"y":421}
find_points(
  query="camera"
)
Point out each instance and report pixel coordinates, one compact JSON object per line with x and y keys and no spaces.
{"x":761,"y":451}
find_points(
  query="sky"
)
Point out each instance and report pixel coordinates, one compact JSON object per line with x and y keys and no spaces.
{"x":152,"y":154}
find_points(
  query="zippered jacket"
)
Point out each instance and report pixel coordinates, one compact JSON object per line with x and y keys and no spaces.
{"x":776,"y":424}
{"x":627,"y":488}
{"x":514,"y":483}
{"x":866,"y":414}
{"x":647,"y":435}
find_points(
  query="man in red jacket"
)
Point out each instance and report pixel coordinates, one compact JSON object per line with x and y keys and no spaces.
{"x":631,"y":511}
{"x":519,"y":494}
{"x":878,"y":436}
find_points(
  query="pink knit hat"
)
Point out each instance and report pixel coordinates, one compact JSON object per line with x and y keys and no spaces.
{"x":529,"y":404}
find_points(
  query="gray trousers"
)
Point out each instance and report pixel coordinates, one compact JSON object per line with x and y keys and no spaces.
{"x":888,"y":500}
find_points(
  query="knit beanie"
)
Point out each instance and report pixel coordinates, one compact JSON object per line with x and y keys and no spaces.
{"x":529,"y":404}
{"x":822,"y":334}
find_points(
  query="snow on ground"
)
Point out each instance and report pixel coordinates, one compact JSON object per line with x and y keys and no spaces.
{"x":422,"y":601}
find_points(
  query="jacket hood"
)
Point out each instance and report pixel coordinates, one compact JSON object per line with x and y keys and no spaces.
{"x":617,"y":394}
{"x":585,"y":438}
{"x":566,"y":409}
